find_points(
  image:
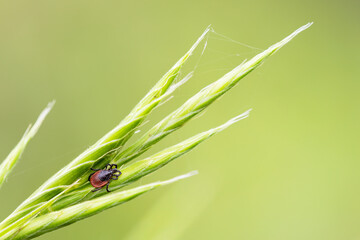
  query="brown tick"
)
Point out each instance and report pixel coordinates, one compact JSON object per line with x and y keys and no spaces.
{"x":102,"y":177}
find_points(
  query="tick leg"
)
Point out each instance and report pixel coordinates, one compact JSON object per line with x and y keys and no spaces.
{"x":112,"y":166}
{"x":117,"y":173}
{"x":107,"y":187}
{"x":114,"y":177}
{"x":96,"y":189}
{"x":90,"y":176}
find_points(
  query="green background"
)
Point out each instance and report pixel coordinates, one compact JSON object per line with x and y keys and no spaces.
{"x":290,"y":171}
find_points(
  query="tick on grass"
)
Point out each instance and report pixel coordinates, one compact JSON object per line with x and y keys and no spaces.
{"x":102,"y":177}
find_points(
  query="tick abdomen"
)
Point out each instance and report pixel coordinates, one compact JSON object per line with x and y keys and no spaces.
{"x":100,"y":178}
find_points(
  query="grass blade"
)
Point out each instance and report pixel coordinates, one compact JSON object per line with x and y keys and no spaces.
{"x":144,"y":167}
{"x":9,"y":163}
{"x":199,"y":102}
{"x":64,"y":217}
{"x":11,"y":231}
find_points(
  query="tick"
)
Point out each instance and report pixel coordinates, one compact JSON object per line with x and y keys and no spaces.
{"x":102,"y":177}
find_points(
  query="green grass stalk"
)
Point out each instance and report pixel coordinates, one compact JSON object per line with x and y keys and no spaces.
{"x":67,"y":197}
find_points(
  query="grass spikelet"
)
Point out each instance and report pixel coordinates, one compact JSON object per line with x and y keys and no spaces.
{"x":67,"y":196}
{"x":94,"y":156}
{"x":199,"y":102}
{"x":9,"y":163}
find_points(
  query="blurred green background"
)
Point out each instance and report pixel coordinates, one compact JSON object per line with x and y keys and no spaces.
{"x":290,"y":171}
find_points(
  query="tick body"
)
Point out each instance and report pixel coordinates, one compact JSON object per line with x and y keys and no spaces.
{"x":102,"y":177}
